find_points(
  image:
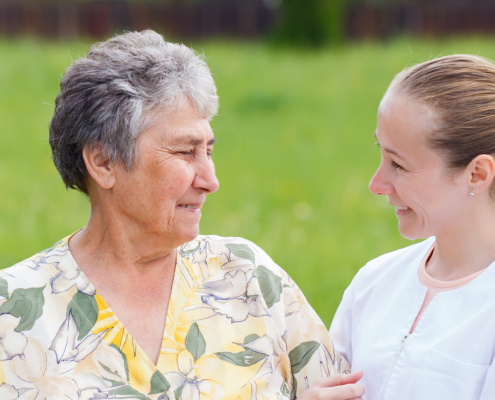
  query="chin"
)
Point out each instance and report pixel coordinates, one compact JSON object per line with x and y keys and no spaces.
{"x":409,"y":236}
{"x":411,"y":233}
{"x":188,"y":235}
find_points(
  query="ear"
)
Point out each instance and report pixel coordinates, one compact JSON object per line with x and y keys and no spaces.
{"x":99,"y":167}
{"x":482,"y":172}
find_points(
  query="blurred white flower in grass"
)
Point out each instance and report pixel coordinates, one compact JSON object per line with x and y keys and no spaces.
{"x":298,"y":235}
{"x":303,"y":211}
{"x":12,"y":343}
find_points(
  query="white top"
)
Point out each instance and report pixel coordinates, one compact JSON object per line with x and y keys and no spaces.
{"x":450,"y":354}
{"x":435,"y":286}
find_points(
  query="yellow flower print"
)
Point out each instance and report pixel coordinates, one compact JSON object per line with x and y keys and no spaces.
{"x":48,"y":256}
{"x":12,"y":342}
{"x":235,"y":296}
{"x":110,"y":364}
{"x":40,"y":373}
{"x":8,"y":392}
{"x":185,"y":384}
{"x":237,"y":327}
{"x":69,"y":276}
{"x":191,"y":362}
{"x":43,"y":371}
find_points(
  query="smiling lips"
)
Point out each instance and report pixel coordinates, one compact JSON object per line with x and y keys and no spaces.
{"x":400,"y":209}
{"x":191,"y":207}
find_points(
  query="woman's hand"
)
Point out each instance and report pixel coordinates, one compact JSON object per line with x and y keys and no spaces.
{"x":339,"y":387}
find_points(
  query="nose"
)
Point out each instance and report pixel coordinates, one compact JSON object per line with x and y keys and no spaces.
{"x":379,"y":184}
{"x":206,"y":178}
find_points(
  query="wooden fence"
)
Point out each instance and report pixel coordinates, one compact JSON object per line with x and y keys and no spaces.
{"x":432,"y":18}
{"x":235,"y":18}
{"x":99,"y":19}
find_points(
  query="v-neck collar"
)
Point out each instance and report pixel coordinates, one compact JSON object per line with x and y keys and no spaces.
{"x":117,"y":335}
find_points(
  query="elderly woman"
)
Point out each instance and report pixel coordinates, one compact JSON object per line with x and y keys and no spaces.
{"x":420,"y":321}
{"x":136,"y":305}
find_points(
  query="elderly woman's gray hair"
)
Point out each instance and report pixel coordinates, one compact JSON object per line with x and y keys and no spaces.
{"x":108,"y":98}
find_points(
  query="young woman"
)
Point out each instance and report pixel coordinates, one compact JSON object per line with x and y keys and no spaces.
{"x":420,"y":321}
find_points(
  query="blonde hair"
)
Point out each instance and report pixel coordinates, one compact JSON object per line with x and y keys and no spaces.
{"x":461,"y":89}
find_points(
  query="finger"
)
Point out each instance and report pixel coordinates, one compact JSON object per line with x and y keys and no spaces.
{"x":352,"y":378}
{"x":345,"y":392}
{"x":339,"y":380}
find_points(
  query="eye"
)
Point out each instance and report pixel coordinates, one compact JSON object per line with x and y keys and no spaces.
{"x":186,"y":153}
{"x":210,"y":154}
{"x":395,"y":165}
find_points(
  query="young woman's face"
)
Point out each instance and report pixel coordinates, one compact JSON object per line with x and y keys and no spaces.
{"x":428,"y":199}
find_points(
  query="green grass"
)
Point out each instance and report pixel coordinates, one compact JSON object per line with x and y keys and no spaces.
{"x":294,"y":156}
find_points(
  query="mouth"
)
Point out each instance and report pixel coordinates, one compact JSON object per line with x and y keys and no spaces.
{"x":190,"y":207}
{"x":399,"y":210}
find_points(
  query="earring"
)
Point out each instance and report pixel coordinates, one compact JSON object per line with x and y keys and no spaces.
{"x":471,"y":193}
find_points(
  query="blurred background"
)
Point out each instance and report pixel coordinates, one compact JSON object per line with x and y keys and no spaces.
{"x":299,"y":84}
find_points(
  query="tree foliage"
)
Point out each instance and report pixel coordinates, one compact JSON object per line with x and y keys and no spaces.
{"x":311,"y":22}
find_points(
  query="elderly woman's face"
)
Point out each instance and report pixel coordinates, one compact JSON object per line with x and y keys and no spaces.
{"x":164,"y":194}
{"x":427,"y":199}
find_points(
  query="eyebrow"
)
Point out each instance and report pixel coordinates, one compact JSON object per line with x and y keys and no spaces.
{"x":389,"y":150}
{"x":194,"y":141}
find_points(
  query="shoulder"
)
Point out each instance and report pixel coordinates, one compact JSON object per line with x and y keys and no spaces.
{"x":400,"y":262}
{"x":234,"y":245}
{"x":235,"y":255}
{"x":237,"y":248}
{"x":400,"y":256}
{"x":37,"y":270}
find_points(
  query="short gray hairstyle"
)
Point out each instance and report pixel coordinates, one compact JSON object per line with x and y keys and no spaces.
{"x":108,"y":98}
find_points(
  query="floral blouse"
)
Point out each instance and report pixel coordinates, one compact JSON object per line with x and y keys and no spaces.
{"x":237,"y":328}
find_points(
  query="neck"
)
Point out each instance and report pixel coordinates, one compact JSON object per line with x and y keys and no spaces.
{"x":111,"y":242}
{"x":466,"y":247}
